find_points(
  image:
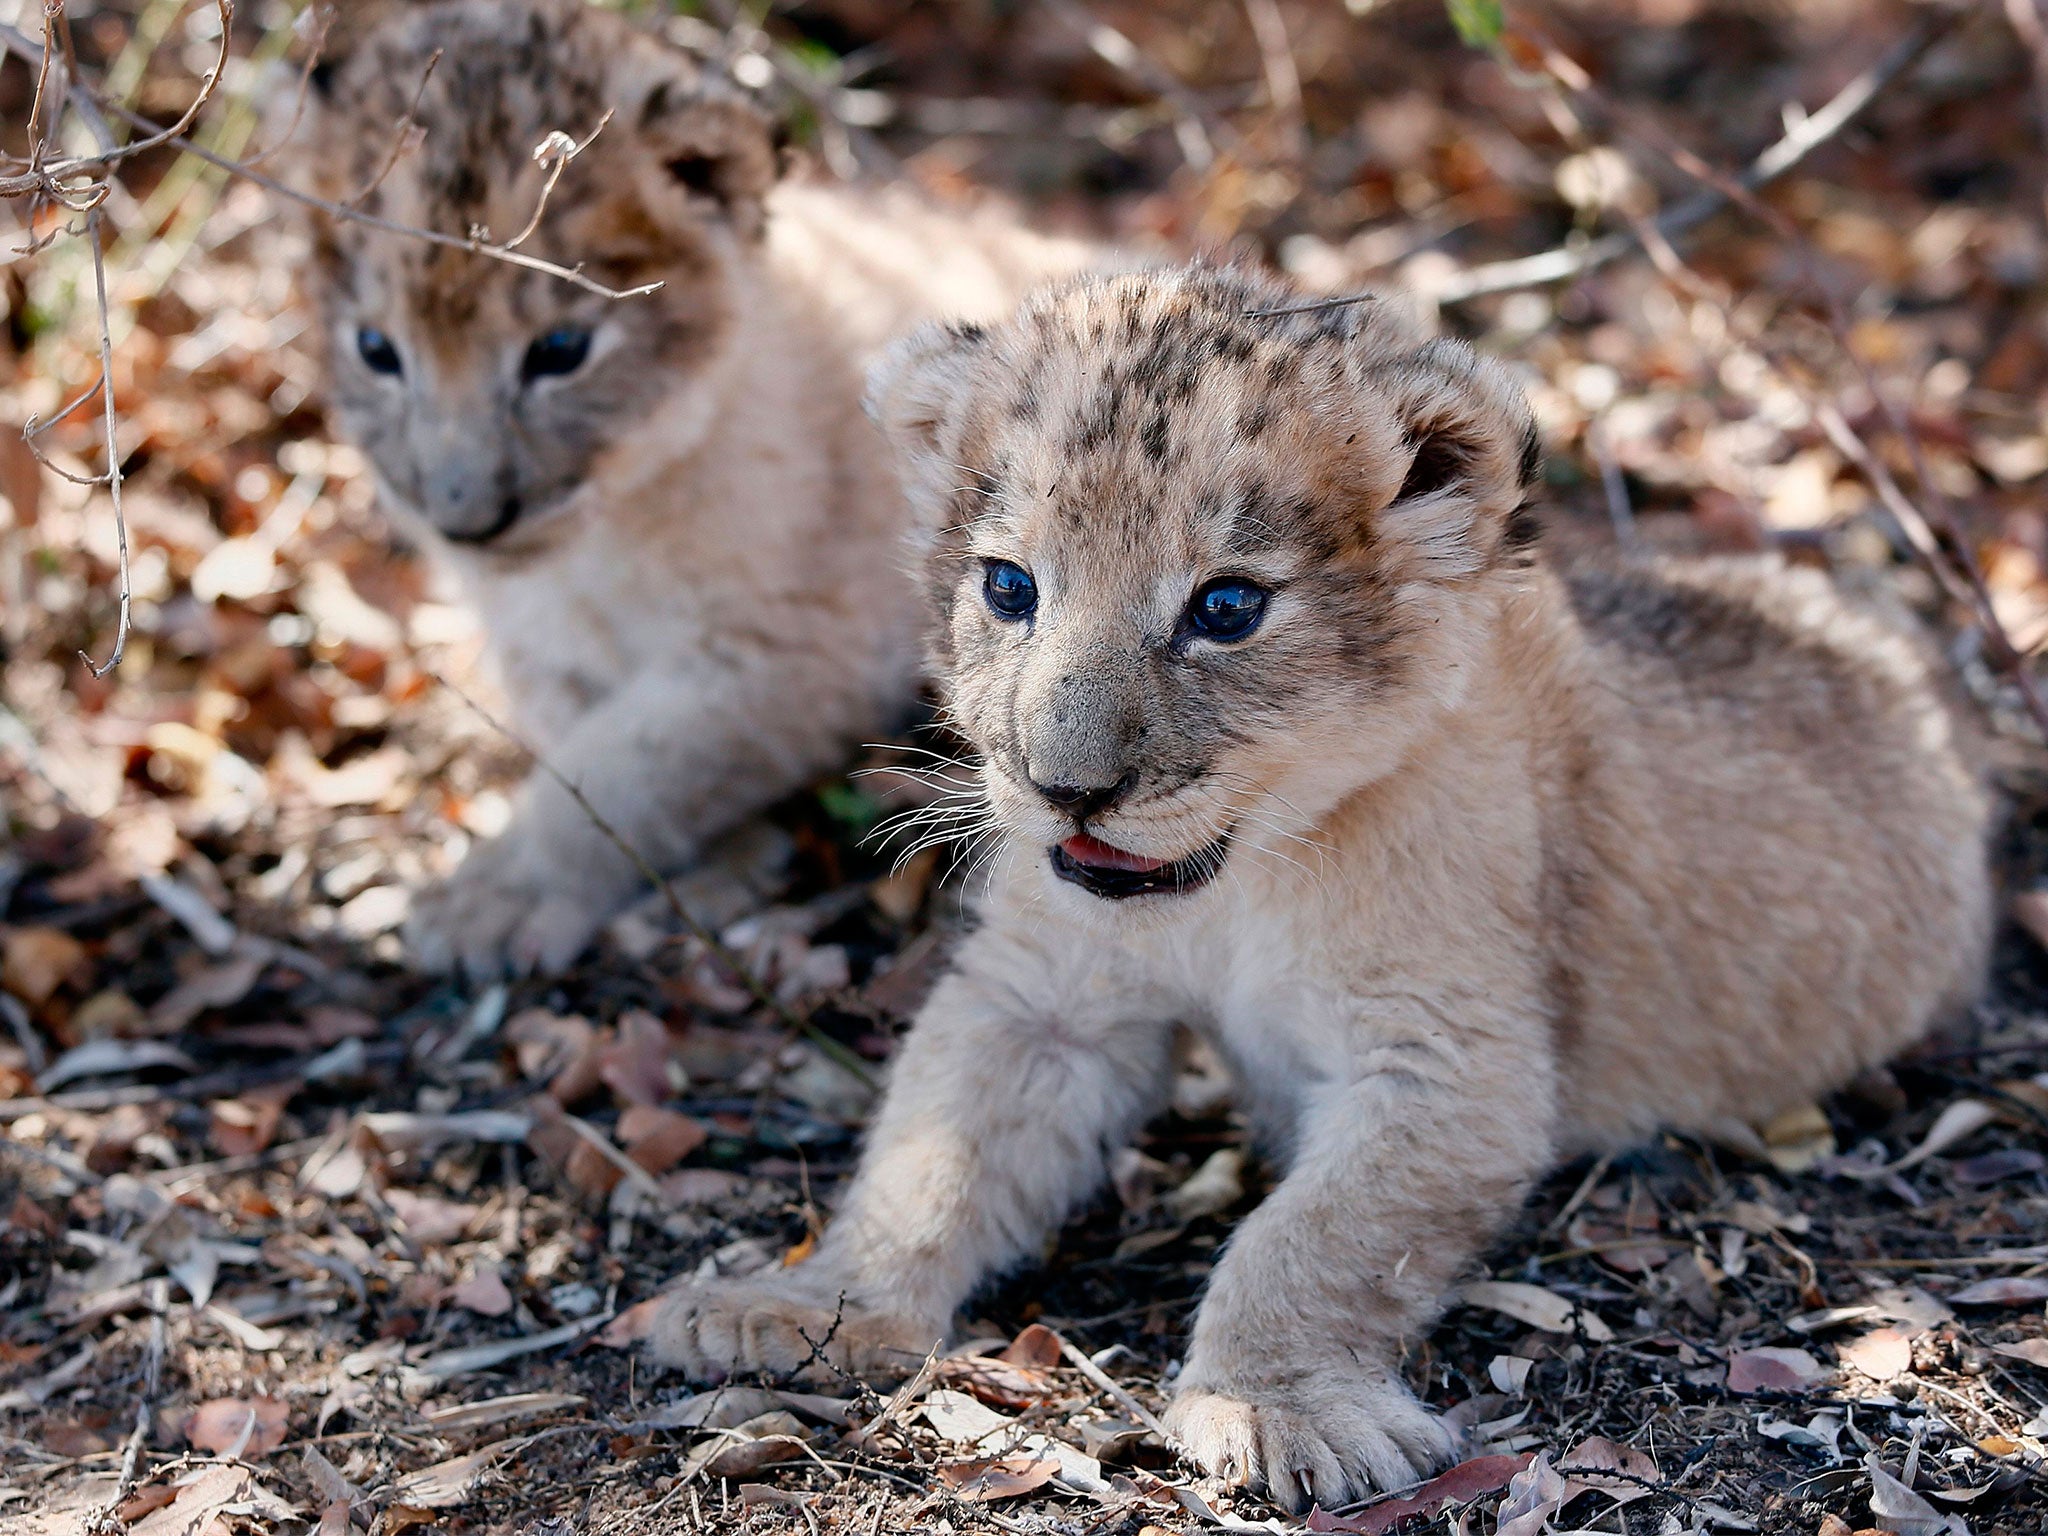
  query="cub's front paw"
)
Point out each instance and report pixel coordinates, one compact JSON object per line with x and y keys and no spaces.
{"x":501,"y":912}
{"x":710,"y":1330}
{"x":1325,"y":1440}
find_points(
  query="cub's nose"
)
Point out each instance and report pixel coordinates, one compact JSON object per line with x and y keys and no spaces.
{"x":1081,"y":801}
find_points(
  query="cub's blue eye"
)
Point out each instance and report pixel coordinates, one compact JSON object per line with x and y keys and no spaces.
{"x":1227,"y":610}
{"x":1010,"y":590}
{"x":378,"y":352}
{"x":560,"y":351}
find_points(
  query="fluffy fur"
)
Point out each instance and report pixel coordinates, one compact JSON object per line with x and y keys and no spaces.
{"x":1513,"y":865}
{"x":687,"y":549}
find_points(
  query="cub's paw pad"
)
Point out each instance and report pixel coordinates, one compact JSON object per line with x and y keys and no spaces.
{"x":1331,"y":1445}
{"x":711,"y":1330}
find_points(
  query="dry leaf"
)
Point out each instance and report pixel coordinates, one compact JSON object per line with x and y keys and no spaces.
{"x":428,"y":1218}
{"x":984,"y":1482}
{"x":1537,"y":1307}
{"x":1599,"y":1465}
{"x":1772,"y":1370}
{"x":1880,"y":1355}
{"x":213,"y":986}
{"x":209,"y":1493}
{"x":2008,"y":1291}
{"x":657,"y":1139}
{"x":451,"y":1482}
{"x":1963,"y":1118}
{"x":462,"y":1417}
{"x":247,"y":1125}
{"x":1037,"y":1346}
{"x":1467,"y":1481}
{"x":484,"y":1293}
{"x":247,"y":1428}
{"x":994,"y":1380}
{"x":2033,"y":1351}
{"x":634,"y":1065}
{"x":35,"y":962}
{"x":144,"y":1501}
{"x":1901,"y":1510}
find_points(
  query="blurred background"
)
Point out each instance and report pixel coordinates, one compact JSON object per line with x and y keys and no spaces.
{"x":204,"y":854}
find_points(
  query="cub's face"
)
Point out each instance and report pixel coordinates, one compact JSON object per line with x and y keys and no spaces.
{"x":485,"y":394}
{"x":1198,"y":572}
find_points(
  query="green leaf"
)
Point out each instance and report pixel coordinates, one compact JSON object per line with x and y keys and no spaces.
{"x":1479,"y":22}
{"x":852,"y":808}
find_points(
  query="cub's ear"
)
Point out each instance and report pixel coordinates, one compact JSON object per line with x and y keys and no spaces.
{"x":713,"y":148}
{"x":1473,"y":452}
{"x":917,"y":394}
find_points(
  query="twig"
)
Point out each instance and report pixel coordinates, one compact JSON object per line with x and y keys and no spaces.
{"x":15,"y":42}
{"x":602,"y":1145}
{"x":697,"y":930}
{"x":555,"y":152}
{"x":1283,"y":77}
{"x":1942,"y":523}
{"x":1196,"y":132}
{"x":848,"y":144}
{"x":321,"y":21}
{"x":113,"y":476}
{"x":1798,"y":141}
{"x":406,"y":136}
{"x":158,"y":1301}
{"x":1124,"y":1400}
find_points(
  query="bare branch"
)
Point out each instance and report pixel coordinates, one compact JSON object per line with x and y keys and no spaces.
{"x":158,"y":136}
{"x":13,"y":41}
{"x":719,"y":950}
{"x":322,"y":21}
{"x":1936,"y":534}
{"x":1283,"y":77}
{"x":405,"y":138}
{"x":555,"y":152}
{"x":1799,"y":140}
{"x":99,"y":277}
{"x":1197,"y":132}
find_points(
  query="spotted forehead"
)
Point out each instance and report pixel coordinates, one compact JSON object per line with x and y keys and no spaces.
{"x":1181,"y":419}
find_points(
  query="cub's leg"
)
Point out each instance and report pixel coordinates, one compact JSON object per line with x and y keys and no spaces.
{"x":1018,"y":1080}
{"x":670,"y":762}
{"x":1408,"y":1157}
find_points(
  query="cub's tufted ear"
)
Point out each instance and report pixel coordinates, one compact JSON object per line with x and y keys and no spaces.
{"x":1473,"y":453}
{"x":918,"y":394}
{"x":711,"y":150}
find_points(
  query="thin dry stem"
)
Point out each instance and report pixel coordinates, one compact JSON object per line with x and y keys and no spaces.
{"x":404,"y":138}
{"x":113,"y":476}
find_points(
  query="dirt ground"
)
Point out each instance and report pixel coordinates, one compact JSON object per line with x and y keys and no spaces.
{"x":291,"y":1236}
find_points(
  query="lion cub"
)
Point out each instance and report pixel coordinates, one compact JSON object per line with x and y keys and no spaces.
{"x":684,"y":539}
{"x":1466,"y":867}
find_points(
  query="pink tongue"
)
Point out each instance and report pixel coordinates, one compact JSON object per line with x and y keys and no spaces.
{"x":1083,"y":849}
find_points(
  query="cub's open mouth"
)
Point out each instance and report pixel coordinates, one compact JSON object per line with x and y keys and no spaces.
{"x":1115,"y":874}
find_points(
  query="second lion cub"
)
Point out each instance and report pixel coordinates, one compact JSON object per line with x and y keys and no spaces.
{"x":683,"y":538}
{"x":1464,"y":865}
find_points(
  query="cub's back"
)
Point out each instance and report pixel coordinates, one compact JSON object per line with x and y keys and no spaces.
{"x":1790,"y":828}
{"x":879,"y":260}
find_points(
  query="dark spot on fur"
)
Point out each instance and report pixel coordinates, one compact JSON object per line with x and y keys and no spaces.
{"x":1155,"y":437}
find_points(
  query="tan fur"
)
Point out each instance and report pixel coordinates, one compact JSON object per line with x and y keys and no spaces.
{"x":1520,"y":864}
{"x":686,"y":552}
